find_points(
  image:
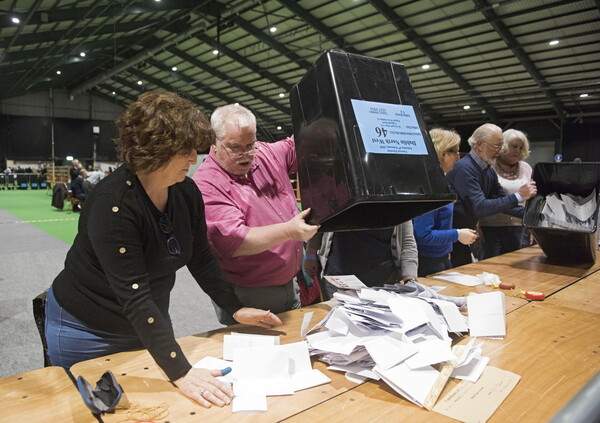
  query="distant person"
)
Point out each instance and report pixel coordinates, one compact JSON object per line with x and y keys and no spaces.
{"x":75,"y":169}
{"x":434,"y":232}
{"x":577,"y":160}
{"x":503,"y":233}
{"x":139,"y":226}
{"x":77,"y":189}
{"x":478,"y":191}
{"x":92,"y":179}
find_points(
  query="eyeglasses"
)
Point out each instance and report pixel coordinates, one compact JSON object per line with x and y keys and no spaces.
{"x":452,"y":152}
{"x":166,"y":226}
{"x":496,"y":146}
{"x":236,"y":153}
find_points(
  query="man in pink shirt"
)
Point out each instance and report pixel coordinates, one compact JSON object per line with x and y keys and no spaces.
{"x":254,"y":226}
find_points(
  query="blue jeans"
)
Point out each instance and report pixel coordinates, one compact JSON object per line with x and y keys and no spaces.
{"x":71,"y":341}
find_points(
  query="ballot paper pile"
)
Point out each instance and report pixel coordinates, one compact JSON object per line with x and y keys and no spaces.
{"x":261,"y":367}
{"x":568,"y":211}
{"x":398,"y":333}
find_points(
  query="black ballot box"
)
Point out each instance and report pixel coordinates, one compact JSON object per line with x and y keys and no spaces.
{"x":574,"y":243}
{"x":365,"y":158}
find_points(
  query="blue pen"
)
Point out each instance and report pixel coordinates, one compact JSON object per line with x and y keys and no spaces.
{"x":225,"y":371}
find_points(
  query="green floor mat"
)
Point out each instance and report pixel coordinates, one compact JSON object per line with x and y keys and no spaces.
{"x":34,"y":207}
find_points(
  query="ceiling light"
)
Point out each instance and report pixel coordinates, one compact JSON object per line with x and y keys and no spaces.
{"x":82,"y":54}
{"x":279,"y":128}
{"x":114,"y":93}
{"x":15,"y":20}
{"x":583,"y":95}
{"x":425,"y":67}
{"x":215,"y":51}
{"x":139,"y":82}
{"x":58,"y":72}
{"x":174,"y":68}
{"x":553,"y":42}
{"x":467,"y":107}
{"x":273,"y":29}
{"x":281,"y":95}
{"x":483,"y":111}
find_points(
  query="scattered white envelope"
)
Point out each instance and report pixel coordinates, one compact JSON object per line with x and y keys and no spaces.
{"x":237,"y":340}
{"x":305,"y":323}
{"x":454,"y":319}
{"x":459,"y":278}
{"x":387,"y":351}
{"x":248,"y":398}
{"x":413,"y":385}
{"x":487,"y":314}
{"x":346,"y":282}
{"x":409,"y":310}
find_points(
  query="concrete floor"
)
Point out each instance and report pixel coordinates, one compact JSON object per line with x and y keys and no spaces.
{"x":29,"y":261}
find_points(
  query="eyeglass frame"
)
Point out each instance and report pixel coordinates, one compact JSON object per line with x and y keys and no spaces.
{"x":452,"y":152}
{"x":166,"y":226}
{"x":495,"y":146}
{"x":238,"y":155}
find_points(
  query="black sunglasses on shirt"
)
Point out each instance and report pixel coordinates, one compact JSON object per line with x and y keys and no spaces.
{"x":166,"y":226}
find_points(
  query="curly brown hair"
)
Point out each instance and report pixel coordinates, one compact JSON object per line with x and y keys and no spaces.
{"x":158,"y":126}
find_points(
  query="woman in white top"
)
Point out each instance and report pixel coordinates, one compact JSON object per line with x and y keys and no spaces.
{"x":503,"y":233}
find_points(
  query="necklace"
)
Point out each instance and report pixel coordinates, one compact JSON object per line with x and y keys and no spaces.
{"x":505,"y":170}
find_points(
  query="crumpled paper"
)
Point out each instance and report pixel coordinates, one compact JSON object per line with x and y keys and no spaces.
{"x":489,"y":278}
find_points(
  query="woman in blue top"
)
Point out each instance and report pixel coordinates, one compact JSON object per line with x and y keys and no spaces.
{"x":433,"y":230}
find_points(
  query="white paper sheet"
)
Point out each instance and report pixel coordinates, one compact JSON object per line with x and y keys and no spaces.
{"x":487,"y":314}
{"x":345,"y":282}
{"x":236,"y":340}
{"x":459,"y":278}
{"x":454,"y":319}
{"x":305,"y":323}
{"x":248,"y":398}
{"x":414,"y":385}
{"x":387,"y":351}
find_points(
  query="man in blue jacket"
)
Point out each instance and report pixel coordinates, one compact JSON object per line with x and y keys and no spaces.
{"x":477,"y":188}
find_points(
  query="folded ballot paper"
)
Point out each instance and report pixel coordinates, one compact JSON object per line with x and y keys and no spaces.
{"x":262,"y":367}
{"x":398,"y":335}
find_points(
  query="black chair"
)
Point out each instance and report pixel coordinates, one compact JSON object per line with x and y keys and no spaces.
{"x":22,"y":181}
{"x":39,"y":315}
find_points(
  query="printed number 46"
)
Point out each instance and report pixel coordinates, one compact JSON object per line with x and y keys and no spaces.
{"x":382,"y":132}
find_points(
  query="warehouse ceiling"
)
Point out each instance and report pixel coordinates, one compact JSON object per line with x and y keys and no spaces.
{"x":469,"y":61}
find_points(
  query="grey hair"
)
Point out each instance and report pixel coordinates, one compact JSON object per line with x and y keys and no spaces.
{"x":481,"y":133}
{"x":234,"y":114}
{"x":511,"y":135}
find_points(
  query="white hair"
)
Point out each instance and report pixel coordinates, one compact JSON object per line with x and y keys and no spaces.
{"x":511,"y":135}
{"x":234,"y":114}
{"x":482,"y":133}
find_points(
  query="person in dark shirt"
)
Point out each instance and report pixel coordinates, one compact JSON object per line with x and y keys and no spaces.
{"x":140,"y":225}
{"x":77,"y":188}
{"x":75,"y":169}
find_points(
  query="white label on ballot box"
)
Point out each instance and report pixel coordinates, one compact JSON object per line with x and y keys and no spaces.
{"x":389,"y":128}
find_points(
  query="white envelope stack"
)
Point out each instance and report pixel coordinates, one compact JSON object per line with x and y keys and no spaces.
{"x":397,"y":337}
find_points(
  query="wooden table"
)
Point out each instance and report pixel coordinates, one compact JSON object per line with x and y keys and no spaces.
{"x":553,"y":345}
{"x":583,"y":295}
{"x":46,"y":394}
{"x":529,"y":269}
{"x":146,"y":385}
{"x":554,"y":349}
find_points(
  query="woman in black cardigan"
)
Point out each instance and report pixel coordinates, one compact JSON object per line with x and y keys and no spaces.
{"x":140,"y":224}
